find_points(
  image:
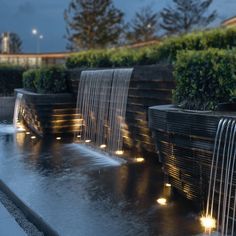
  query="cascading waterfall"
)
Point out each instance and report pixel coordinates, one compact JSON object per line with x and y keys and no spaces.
{"x":221,"y":201}
{"x":101,"y":102}
{"x":18,"y":103}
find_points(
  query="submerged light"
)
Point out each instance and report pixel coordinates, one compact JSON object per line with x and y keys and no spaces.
{"x":33,"y":137}
{"x":87,"y":141}
{"x":58,"y":138}
{"x":208,"y":222}
{"x":162,"y":201}
{"x":78,"y":136}
{"x":27,"y":132}
{"x":103,"y":146}
{"x":139,"y":159}
{"x":168,"y":185}
{"x":119,"y":152}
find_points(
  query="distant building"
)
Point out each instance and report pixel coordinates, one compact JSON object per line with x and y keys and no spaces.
{"x":231,"y":22}
{"x":32,"y":60}
{"x":5,"y":43}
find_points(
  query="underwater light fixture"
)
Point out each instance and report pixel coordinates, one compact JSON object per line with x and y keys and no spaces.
{"x":78,"y":136}
{"x":58,"y":138}
{"x":119,"y":152}
{"x":33,"y":137}
{"x":103,"y":146}
{"x":87,"y":141}
{"x":208,"y":222}
{"x":162,"y":201}
{"x":140,"y":159}
{"x":168,"y":185}
{"x":27,"y":132}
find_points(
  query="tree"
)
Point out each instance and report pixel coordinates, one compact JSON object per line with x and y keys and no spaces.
{"x":143,"y":26}
{"x":13,"y":43}
{"x":93,"y":24}
{"x":186,"y":15}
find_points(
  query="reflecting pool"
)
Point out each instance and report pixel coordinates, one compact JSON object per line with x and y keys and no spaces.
{"x":81,"y":193}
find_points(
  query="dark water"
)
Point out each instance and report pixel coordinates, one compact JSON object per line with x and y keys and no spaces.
{"x":84,"y":194}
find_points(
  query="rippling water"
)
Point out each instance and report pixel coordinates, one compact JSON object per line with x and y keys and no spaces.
{"x":83,"y":193}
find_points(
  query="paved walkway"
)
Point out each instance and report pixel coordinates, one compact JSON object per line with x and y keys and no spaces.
{"x":8,"y":225}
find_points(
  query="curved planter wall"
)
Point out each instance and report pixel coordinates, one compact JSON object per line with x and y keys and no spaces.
{"x":185,"y":141}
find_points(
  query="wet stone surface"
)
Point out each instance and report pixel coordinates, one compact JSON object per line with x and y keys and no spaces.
{"x":79,"y":193}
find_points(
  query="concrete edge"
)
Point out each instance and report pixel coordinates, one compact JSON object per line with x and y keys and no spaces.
{"x":30,"y":215}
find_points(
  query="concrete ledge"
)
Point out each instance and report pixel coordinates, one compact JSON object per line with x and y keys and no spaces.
{"x":32,"y":216}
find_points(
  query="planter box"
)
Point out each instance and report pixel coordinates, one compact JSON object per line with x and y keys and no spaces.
{"x":185,"y":141}
{"x":49,"y":114}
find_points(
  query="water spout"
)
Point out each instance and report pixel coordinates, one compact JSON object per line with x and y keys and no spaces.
{"x":18,"y":104}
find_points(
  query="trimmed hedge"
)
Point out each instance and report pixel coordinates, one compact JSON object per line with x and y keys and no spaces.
{"x":46,"y":80}
{"x":224,"y":38}
{"x":204,"y":78}
{"x":10,"y":78}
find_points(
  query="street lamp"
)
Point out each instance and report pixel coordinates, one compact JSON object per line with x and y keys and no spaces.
{"x":39,"y":37}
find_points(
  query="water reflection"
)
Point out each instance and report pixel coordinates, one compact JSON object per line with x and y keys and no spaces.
{"x":78,"y":194}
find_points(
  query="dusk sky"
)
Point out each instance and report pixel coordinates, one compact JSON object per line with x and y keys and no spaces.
{"x":21,"y":16}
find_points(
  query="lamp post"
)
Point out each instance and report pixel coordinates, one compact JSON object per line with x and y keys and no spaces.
{"x":39,"y":37}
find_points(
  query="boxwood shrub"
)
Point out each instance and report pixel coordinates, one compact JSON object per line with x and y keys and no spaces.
{"x":165,"y":52}
{"x":46,"y":80}
{"x":10,"y":78}
{"x":204,"y":78}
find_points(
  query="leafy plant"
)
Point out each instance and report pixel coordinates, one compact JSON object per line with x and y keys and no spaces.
{"x":204,"y":78}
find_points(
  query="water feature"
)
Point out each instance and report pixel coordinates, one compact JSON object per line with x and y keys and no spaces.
{"x":221,"y":201}
{"x":18,"y":104}
{"x":101,"y":102}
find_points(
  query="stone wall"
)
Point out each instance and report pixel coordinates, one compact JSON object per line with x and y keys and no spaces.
{"x":49,"y":114}
{"x":149,"y":86}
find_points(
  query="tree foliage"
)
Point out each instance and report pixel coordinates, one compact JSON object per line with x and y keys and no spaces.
{"x":93,"y":24}
{"x":186,"y":16}
{"x":144,"y":26}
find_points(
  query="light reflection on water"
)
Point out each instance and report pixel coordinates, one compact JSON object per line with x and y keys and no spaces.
{"x":79,"y":193}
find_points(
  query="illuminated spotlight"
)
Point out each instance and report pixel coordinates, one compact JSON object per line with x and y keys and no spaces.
{"x":208,"y":222}
{"x":103,"y":146}
{"x":119,"y":152}
{"x":33,"y":137}
{"x":27,"y":132}
{"x":168,"y":185}
{"x":78,"y":136}
{"x":58,"y":138}
{"x":87,"y":141}
{"x":21,"y":129}
{"x":162,"y":201}
{"x":139,"y":159}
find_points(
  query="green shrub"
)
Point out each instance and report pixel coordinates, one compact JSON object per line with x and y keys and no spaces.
{"x":10,"y":78}
{"x":204,"y":78}
{"x":165,"y":52}
{"x":28,"y":79}
{"x":46,"y":80}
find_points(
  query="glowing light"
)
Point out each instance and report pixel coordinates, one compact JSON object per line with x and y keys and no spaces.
{"x":88,"y":141}
{"x":21,"y":129}
{"x":119,"y":152}
{"x":78,"y":136}
{"x":33,"y":137}
{"x":162,"y":201}
{"x":139,"y":159}
{"x":103,"y":146}
{"x":58,"y":138}
{"x":34,"y":31}
{"x":168,"y":185}
{"x":27,"y":132}
{"x":208,"y":222}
